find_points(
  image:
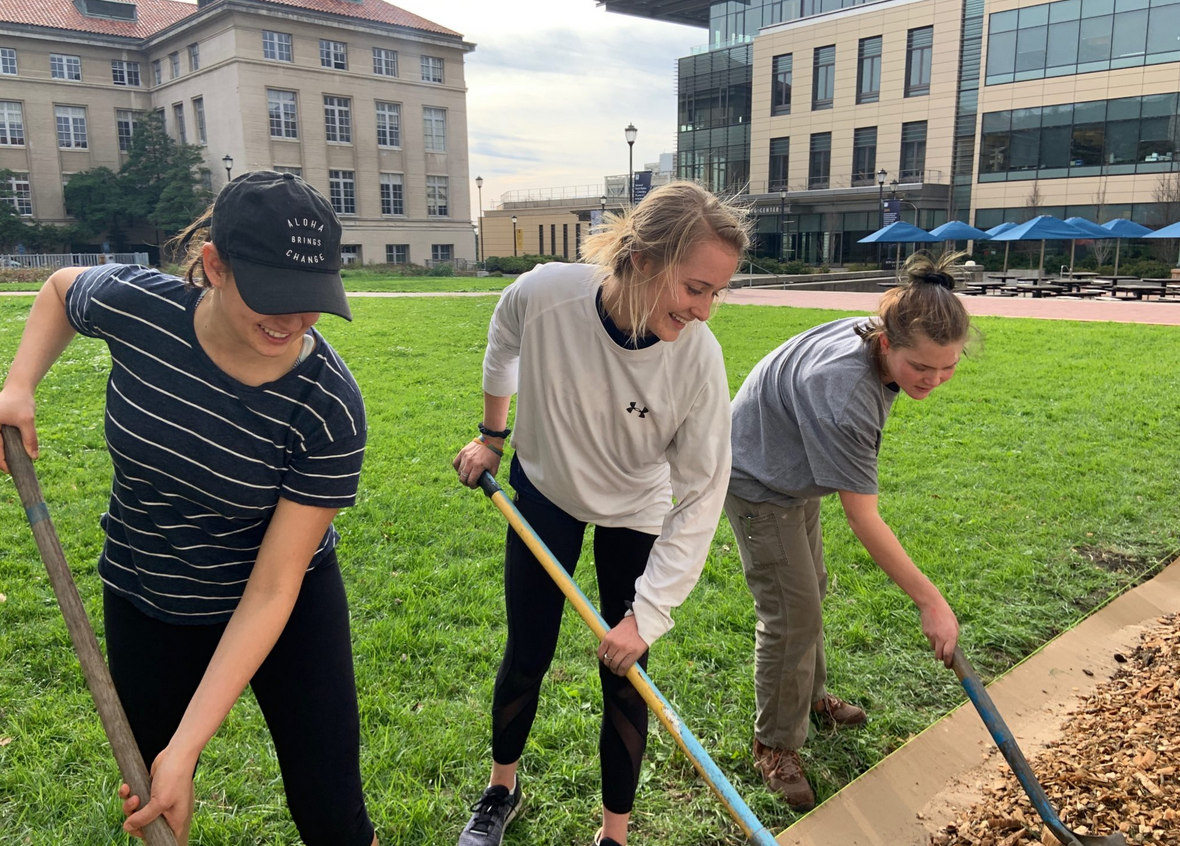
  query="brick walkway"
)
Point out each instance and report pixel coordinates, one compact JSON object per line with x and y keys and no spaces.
{"x":1054,"y":308}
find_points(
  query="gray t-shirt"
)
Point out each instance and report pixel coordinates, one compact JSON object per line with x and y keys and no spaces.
{"x":807,"y":421}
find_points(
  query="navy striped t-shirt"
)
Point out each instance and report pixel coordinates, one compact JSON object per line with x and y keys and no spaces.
{"x":201,"y":459}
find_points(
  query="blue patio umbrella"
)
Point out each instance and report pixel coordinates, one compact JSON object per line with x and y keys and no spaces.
{"x":996,"y":230}
{"x":956,"y":230}
{"x":899,"y":232}
{"x":1096,"y":233}
{"x":1123,"y":229}
{"x":1042,"y":228}
{"x":1172,"y":231}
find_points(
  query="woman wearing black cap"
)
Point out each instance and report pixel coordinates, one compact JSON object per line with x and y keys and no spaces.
{"x":236,"y":435}
{"x":807,"y":422}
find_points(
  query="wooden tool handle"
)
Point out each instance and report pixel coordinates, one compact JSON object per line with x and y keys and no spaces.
{"x":94,"y":668}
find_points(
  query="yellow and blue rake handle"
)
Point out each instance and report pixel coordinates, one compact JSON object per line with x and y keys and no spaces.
{"x":655,"y":700}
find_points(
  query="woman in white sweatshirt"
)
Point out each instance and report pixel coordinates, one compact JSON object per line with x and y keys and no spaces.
{"x":622,"y":421}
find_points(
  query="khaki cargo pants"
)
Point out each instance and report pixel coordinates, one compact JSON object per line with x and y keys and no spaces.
{"x":783,"y":559}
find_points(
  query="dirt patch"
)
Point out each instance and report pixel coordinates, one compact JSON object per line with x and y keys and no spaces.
{"x":1114,"y":767}
{"x":1112,"y":560}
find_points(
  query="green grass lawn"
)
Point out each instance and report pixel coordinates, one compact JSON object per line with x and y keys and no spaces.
{"x":1054,"y":447}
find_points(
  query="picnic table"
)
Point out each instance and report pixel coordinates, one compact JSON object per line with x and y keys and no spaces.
{"x":1083,"y":274}
{"x":1003,"y":277}
{"x":988,"y":285}
{"x":1039,"y":289}
{"x":1138,"y":290}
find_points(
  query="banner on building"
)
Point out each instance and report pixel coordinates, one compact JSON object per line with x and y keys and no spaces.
{"x":642,"y":184}
{"x":890,"y":211}
{"x":520,"y":240}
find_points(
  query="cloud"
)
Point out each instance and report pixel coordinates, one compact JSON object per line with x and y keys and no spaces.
{"x":552,"y":83}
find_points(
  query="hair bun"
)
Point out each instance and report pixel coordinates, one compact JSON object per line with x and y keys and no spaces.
{"x":935,"y":277}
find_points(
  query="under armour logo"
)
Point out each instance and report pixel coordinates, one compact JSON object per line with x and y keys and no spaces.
{"x":641,"y":411}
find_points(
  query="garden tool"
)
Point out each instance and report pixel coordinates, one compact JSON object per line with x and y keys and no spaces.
{"x":94,"y":668}
{"x":1000,"y":733}
{"x":691,"y":747}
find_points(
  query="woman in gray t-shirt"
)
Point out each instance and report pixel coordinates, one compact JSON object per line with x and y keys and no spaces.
{"x":806,"y":423}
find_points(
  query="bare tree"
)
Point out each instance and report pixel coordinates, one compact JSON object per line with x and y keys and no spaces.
{"x":1101,"y":250}
{"x":1167,"y":198}
{"x":1032,"y":207}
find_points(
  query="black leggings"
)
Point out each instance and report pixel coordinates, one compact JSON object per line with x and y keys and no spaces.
{"x":535,"y":605}
{"x":305,"y":688}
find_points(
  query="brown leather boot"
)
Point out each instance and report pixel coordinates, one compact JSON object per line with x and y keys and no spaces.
{"x":835,"y":712}
{"x":783,"y":773}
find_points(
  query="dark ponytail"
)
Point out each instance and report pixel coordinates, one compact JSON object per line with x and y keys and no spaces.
{"x":923,"y":305}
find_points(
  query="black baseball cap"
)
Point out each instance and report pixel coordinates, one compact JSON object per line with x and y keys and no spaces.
{"x":283,"y":242}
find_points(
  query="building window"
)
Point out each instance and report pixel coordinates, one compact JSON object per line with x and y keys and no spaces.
{"x":389,"y":124}
{"x":1065,"y":38}
{"x":864,"y":156}
{"x":432,"y":69}
{"x":435,"y":124}
{"x":1101,"y":137}
{"x":868,"y":70}
{"x":174,"y":65}
{"x":338,"y":119}
{"x":780,"y":163}
{"x":436,"y":196}
{"x":333,"y":54}
{"x":342,"y":191}
{"x":819,"y":168}
{"x":12,"y":124}
{"x":297,"y":171}
{"x":442,"y":252}
{"x":7,"y":61}
{"x":913,"y":151}
{"x":277,"y":46}
{"x":397,"y":253}
{"x":126,"y":122}
{"x":65,"y":67}
{"x":392,"y":196}
{"x":178,"y":116}
{"x":199,"y":111}
{"x":71,"y":127}
{"x":20,"y":196}
{"x":823,"y":83}
{"x":194,"y":57}
{"x":350,"y":254}
{"x":157,"y":73}
{"x":280,"y":106}
{"x":781,"y":84}
{"x":124,"y":73}
{"x":384,"y":62}
{"x":919,"y":49}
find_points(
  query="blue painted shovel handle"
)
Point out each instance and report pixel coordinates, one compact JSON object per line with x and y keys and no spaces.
{"x":691,"y":747}
{"x":1000,"y":733}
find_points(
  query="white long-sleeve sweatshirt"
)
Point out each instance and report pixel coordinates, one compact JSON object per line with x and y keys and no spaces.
{"x":611,"y":435}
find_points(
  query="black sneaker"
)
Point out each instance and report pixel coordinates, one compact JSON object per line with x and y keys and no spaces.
{"x":494,"y":810}
{"x":602,"y":840}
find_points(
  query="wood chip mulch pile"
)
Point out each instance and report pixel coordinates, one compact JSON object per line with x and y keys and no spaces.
{"x":1116,"y":767}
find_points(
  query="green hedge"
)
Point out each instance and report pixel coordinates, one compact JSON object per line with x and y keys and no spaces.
{"x":517,"y":264}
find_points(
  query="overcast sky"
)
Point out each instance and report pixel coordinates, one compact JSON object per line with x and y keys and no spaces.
{"x":552,"y":83}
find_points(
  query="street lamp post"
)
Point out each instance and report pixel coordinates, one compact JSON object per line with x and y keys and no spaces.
{"x":514,"y":235}
{"x":630,"y":134}
{"x":782,"y":211}
{"x":228,"y":161}
{"x":881,"y":174}
{"x":479,"y":188}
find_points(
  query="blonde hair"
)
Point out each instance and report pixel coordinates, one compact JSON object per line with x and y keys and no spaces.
{"x":923,"y":305}
{"x":662,"y":229}
{"x":188,"y":243}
